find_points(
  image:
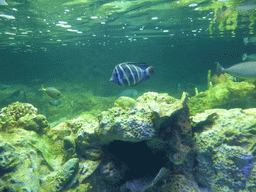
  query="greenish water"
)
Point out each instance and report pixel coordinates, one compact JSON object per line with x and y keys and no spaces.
{"x":53,"y":43}
{"x":74,"y":45}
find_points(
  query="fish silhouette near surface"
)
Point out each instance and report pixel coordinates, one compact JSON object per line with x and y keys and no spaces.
{"x":244,"y":70}
{"x":52,"y":92}
{"x":130,"y":73}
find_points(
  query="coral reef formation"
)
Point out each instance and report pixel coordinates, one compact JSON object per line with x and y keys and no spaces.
{"x":67,"y":154}
{"x":210,"y":151}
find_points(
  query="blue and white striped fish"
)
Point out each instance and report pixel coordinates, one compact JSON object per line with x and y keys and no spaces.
{"x":129,"y":73}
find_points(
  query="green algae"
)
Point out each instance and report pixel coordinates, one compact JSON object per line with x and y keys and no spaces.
{"x":125,"y":102}
{"x":221,"y":95}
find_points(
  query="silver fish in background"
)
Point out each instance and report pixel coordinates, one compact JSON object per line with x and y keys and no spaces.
{"x":251,"y":57}
{"x":244,"y":70}
{"x":129,"y":73}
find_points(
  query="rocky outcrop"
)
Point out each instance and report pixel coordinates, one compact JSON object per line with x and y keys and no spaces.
{"x":225,"y":146}
{"x":149,"y":144}
{"x":67,"y":154}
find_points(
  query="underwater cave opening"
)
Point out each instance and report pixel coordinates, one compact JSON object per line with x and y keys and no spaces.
{"x":140,"y":160}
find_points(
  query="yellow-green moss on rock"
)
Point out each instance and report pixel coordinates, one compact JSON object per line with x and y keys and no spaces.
{"x":124,"y":102}
{"x":222,"y":94}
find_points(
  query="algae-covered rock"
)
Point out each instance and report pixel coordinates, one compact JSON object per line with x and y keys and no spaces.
{"x":67,"y":174}
{"x":37,"y":123}
{"x":226,"y":149}
{"x":140,"y":121}
{"x":225,"y":94}
{"x":180,"y":183}
{"x":124,"y":102}
{"x":27,"y":156}
{"x":74,"y":154}
{"x":8,"y":157}
{"x":26,"y":160}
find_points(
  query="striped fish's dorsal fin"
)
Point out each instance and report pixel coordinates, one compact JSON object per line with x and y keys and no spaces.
{"x":141,"y":65}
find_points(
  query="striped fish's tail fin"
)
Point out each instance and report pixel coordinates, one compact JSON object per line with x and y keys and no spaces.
{"x":150,"y":70}
{"x":220,"y":69}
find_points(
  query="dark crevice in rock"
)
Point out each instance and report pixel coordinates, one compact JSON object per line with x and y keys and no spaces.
{"x":127,"y":161}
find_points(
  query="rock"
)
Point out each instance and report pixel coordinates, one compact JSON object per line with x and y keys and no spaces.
{"x":8,"y":158}
{"x":156,"y":123}
{"x":87,"y":139}
{"x":180,"y":183}
{"x":67,"y":174}
{"x":225,"y":94}
{"x":225,"y":148}
{"x":139,"y":121}
{"x":124,"y":102}
{"x":35,"y":123}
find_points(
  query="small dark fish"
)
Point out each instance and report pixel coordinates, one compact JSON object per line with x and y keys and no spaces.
{"x":129,"y":73}
{"x":52,"y":92}
{"x":244,"y":70}
{"x":55,"y":102}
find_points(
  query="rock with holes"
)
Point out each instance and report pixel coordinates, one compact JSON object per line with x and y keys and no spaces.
{"x":30,"y":159}
{"x":139,"y":120}
{"x":225,"y":143}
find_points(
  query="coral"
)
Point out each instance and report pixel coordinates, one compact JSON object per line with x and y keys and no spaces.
{"x":18,"y":110}
{"x":23,"y":115}
{"x":196,"y":91}
{"x":233,"y":166}
{"x":112,"y":173}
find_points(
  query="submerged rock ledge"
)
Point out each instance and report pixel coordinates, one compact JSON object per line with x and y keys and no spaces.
{"x":146,"y":144}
